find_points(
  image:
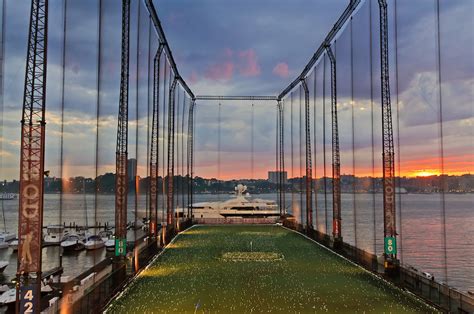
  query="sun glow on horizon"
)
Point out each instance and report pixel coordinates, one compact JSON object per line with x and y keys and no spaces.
{"x":424,"y":173}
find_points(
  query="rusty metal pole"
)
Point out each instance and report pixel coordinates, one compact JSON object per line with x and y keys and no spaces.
{"x":33,"y":125}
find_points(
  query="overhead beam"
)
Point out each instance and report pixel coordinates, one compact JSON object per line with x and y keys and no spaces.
{"x":164,"y":42}
{"x":206,"y":97}
{"x":329,"y":38}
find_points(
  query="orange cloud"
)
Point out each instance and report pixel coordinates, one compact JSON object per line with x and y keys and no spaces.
{"x":220,"y":71}
{"x":281,"y":70}
{"x":248,"y":63}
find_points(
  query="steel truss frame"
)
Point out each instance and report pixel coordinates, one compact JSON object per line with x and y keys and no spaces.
{"x":154,"y":152}
{"x":33,"y":129}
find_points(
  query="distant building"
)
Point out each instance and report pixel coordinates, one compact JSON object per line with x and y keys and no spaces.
{"x":132,"y":169}
{"x":274,"y":176}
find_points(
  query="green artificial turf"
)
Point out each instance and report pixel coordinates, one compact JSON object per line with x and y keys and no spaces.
{"x":192,"y":275}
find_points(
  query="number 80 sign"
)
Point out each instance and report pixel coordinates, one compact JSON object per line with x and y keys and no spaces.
{"x":390,"y":245}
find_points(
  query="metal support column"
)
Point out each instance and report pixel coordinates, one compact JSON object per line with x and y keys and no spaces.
{"x":30,"y":219}
{"x":282,"y":161}
{"x":336,"y":160}
{"x":389,"y":215}
{"x":309,"y":171}
{"x":154,"y":155}
{"x":171,"y":135}
{"x":191,"y":157}
{"x":121,"y":179}
{"x":189,"y":163}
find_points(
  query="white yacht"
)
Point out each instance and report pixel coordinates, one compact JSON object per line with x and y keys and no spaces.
{"x":106,"y":235}
{"x":73,"y":242}
{"x":94,"y":242}
{"x":14,"y":245}
{"x":110,"y":245}
{"x":7,"y":196}
{"x":240,"y":206}
{"x":8,"y":297}
{"x":55,"y":234}
{"x":5,"y":238}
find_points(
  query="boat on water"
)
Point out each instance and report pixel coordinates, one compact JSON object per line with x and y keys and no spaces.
{"x":13,"y":245}
{"x":3,"y":265}
{"x":73,"y":242}
{"x":94,"y":242}
{"x":242,"y":205}
{"x":55,"y":234}
{"x":8,"y":297}
{"x":110,"y":245}
{"x":135,"y":226}
{"x":106,"y":235}
{"x":7,"y":196}
{"x":5,"y":238}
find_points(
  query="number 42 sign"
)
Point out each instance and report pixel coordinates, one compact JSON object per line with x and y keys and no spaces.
{"x":390,"y":245}
{"x":27,"y":299}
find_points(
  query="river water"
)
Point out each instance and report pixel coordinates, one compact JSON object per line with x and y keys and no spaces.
{"x":420,"y":241}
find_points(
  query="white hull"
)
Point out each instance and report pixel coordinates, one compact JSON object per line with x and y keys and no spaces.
{"x":94,"y":246}
{"x":55,"y":234}
{"x":14,"y":245}
{"x":3,"y":265}
{"x":8,"y":297}
{"x":110,"y":245}
{"x":7,"y":196}
{"x":72,"y":245}
{"x":5,"y":238}
{"x":52,"y":240}
{"x":94,"y":242}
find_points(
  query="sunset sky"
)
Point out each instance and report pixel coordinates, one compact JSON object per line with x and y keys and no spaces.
{"x":254,"y":48}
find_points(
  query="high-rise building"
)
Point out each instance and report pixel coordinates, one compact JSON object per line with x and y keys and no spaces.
{"x":132,"y":169}
{"x":274,"y":176}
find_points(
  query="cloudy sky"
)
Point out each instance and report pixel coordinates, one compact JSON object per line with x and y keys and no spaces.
{"x":250,"y":48}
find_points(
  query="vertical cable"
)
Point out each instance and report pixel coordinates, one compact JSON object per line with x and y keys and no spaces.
{"x":137,"y":82}
{"x":325,"y":180}
{"x":170,"y":201}
{"x":219,"y":153}
{"x":252,"y":143}
{"x":170,"y":82}
{"x":374,"y":222}
{"x":163,"y":177}
{"x":98,"y":87}
{"x":282,"y":134}
{"x":61,"y":139}
{"x":191,"y":156}
{"x":316,"y":220}
{"x":277,"y":154}
{"x":400,"y":208}
{"x":2,"y":75}
{"x":182,"y":151}
{"x":300,"y":157}
{"x":441,"y":144}
{"x":292,"y":157}
{"x":149,"y":102}
{"x":354,"y":204}
{"x":178,"y":151}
